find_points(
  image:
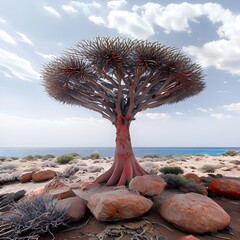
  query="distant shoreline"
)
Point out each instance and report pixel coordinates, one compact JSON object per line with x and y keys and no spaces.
{"x":109,"y":151}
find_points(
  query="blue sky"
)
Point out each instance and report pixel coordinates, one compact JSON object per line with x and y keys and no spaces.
{"x":32,"y":32}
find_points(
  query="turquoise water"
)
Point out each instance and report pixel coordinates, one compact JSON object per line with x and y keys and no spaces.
{"x":109,"y":151}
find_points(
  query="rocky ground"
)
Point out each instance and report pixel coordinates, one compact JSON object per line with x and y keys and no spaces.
{"x":37,"y":174}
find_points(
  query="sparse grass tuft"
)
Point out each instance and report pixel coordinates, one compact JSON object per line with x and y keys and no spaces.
{"x":2,"y":158}
{"x":9,"y":177}
{"x":94,"y":155}
{"x":230,"y":153}
{"x":38,"y":156}
{"x":171,"y":170}
{"x":210,"y":168}
{"x":29,"y":157}
{"x":151,"y":155}
{"x":64,"y":158}
{"x":75,"y":154}
{"x":31,"y":218}
{"x":14,"y":158}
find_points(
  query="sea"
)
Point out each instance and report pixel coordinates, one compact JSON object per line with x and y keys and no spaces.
{"x":109,"y":151}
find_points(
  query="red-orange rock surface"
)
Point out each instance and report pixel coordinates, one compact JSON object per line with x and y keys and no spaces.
{"x":193,"y":176}
{"x":188,"y":237}
{"x":148,"y":185}
{"x":226,"y":187}
{"x":194,"y":213}
{"x":58,"y":189}
{"x":118,"y":204}
{"x":25,"y":177}
{"x":43,"y":175}
{"x":76,"y":207}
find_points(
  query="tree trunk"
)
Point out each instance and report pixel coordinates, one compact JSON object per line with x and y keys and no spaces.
{"x":125,"y":165}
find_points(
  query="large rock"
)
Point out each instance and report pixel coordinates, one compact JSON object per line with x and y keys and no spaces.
{"x":76,"y":207}
{"x":118,"y":204}
{"x":26,"y":176}
{"x":43,"y":175}
{"x":58,"y":189}
{"x":226,"y":187}
{"x":194,"y":213}
{"x":148,"y":185}
{"x":192,"y":176}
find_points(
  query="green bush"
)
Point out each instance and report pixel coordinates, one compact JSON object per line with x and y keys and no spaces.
{"x":46,"y":157}
{"x":230,"y":153}
{"x":38,"y":156}
{"x":151,"y":155}
{"x":75,"y":154}
{"x":64,"y":158}
{"x":174,"y":181}
{"x":14,"y":158}
{"x":28,"y":157}
{"x":171,"y":170}
{"x":94,"y":155}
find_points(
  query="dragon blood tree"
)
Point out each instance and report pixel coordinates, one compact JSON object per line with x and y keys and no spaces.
{"x":118,"y":78}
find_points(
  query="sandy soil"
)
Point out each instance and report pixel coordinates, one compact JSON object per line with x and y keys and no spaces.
{"x":81,"y":170}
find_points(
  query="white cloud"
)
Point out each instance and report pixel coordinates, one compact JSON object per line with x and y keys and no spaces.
{"x":2,"y":20}
{"x":69,"y":9}
{"x":86,"y":8}
{"x":154,"y":116}
{"x":25,"y":39}
{"x":220,"y":116}
{"x":7,"y":37}
{"x":204,"y":109}
{"x":97,"y":20}
{"x":129,"y":23}
{"x":52,"y":11}
{"x":18,"y":66}
{"x":85,"y":120}
{"x":232,"y":107}
{"x":5,"y":74}
{"x":45,"y":56}
{"x":116,"y":4}
{"x":178,"y":113}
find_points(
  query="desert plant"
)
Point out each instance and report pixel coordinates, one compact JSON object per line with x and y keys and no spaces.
{"x":119,"y":78}
{"x":210,"y":168}
{"x":9,"y":177}
{"x":171,"y":170}
{"x":151,"y":155}
{"x":37,"y":156}
{"x":94,"y":155}
{"x":230,"y":153}
{"x":2,"y":158}
{"x":32,"y":217}
{"x":47,"y":156}
{"x":64,"y":158}
{"x":28,"y":157}
{"x":14,"y":158}
{"x":168,"y":155}
{"x":7,"y":168}
{"x":174,"y":181}
{"x":75,"y":154}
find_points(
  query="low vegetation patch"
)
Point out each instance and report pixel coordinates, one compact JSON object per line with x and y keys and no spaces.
{"x":38,"y":156}
{"x":28,"y":157}
{"x":151,"y":155}
{"x":47,"y":156}
{"x":174,"y":181}
{"x":64,"y":158}
{"x":75,"y":154}
{"x":171,"y":170}
{"x":230,"y":153}
{"x":2,"y":158}
{"x":94,"y":155}
{"x":31,"y":218}
{"x":210,"y":168}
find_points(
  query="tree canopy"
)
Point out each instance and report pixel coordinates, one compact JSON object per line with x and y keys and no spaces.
{"x":122,"y":76}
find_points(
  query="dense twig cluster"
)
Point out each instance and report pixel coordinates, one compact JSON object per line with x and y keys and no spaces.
{"x":122,"y":76}
{"x":31,"y":217}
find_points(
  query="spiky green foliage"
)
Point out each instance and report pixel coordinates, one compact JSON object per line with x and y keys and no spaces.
{"x":171,"y":170}
{"x":117,"y":75}
{"x":31,"y":217}
{"x":47,"y":156}
{"x":28,"y":157}
{"x":64,"y":158}
{"x":231,"y":153}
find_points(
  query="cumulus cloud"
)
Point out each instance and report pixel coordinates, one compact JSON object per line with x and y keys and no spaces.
{"x":52,"y":11}
{"x":4,"y":36}
{"x":69,"y":9}
{"x":154,"y":116}
{"x":129,"y":23}
{"x":24,"y":38}
{"x":97,"y":20}
{"x":178,"y":113}
{"x":116,"y":4}
{"x":86,"y":8}
{"x":232,"y":107}
{"x":220,"y":116}
{"x":2,"y":20}
{"x":17,"y":66}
